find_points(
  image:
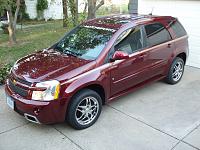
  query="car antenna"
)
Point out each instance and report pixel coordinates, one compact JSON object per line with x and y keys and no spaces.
{"x":151,"y":13}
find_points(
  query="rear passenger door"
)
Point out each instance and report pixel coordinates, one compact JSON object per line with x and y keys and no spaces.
{"x":160,"y":48}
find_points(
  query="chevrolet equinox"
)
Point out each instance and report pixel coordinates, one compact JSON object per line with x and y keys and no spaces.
{"x":93,"y":64}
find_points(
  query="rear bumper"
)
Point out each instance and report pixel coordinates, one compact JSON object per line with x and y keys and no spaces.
{"x":44,"y":112}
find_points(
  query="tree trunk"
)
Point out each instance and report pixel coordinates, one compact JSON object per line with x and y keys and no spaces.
{"x":12,"y":22}
{"x":16,"y":14}
{"x":92,"y":8}
{"x":11,"y":30}
{"x":85,"y":8}
{"x":133,"y":6}
{"x":76,"y":12}
{"x":65,"y":13}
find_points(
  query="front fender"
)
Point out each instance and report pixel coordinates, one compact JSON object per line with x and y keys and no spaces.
{"x":98,"y":76}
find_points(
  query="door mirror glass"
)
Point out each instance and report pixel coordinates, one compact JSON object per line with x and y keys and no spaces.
{"x":119,"y":55}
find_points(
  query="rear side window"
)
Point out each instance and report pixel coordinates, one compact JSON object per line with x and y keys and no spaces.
{"x":178,"y":29}
{"x":156,"y":34}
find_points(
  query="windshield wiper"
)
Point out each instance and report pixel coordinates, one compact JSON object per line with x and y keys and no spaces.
{"x":68,"y":52}
{"x":58,"y":48}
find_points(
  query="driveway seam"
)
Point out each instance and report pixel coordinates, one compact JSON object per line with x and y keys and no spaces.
{"x":182,"y":140}
{"x":179,"y":140}
{"x":191,"y":131}
{"x":185,"y":143}
{"x":143,"y":122}
{"x":13,"y":128}
{"x":68,"y":138}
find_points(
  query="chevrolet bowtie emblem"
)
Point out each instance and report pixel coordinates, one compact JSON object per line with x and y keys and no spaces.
{"x":14,"y":82}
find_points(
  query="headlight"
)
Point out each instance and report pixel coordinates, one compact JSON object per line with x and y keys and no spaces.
{"x":51,"y":93}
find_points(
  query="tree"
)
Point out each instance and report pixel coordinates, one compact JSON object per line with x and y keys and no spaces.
{"x":73,"y":5}
{"x":65,"y":13}
{"x":93,"y":7}
{"x":133,"y":6}
{"x":8,"y":5}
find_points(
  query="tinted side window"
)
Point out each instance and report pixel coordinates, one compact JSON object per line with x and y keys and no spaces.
{"x":156,"y":34}
{"x":131,"y":42}
{"x":178,"y":29}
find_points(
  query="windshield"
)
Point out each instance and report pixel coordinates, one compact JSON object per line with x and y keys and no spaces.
{"x":85,"y":42}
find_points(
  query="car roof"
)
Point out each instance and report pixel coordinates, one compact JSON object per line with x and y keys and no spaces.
{"x":114,"y":22}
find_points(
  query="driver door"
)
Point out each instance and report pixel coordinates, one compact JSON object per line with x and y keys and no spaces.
{"x":128,"y":72}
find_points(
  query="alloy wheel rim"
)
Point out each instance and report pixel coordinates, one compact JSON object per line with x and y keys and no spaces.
{"x":177,"y":71}
{"x":87,"y":110}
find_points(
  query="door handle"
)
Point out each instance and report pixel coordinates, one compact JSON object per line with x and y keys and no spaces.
{"x":142,"y":56}
{"x":113,"y":67}
{"x":169,"y":45}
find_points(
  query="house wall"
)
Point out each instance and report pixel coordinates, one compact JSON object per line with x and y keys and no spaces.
{"x":31,"y":8}
{"x":54,"y":10}
{"x":188,"y":12}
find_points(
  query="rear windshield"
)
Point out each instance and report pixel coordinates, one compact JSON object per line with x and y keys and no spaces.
{"x":178,"y":29}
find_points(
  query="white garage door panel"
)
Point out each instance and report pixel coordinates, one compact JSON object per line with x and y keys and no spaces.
{"x":194,"y":60}
{"x":188,"y":13}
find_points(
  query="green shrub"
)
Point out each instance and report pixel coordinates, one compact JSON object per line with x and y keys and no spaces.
{"x":4,"y":71}
{"x":82,"y":17}
{"x":25,"y":16}
{"x":42,"y":5}
{"x":5,"y":28}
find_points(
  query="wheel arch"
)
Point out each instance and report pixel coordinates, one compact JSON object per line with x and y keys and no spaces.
{"x":182,"y":56}
{"x":93,"y":86}
{"x":97,"y":87}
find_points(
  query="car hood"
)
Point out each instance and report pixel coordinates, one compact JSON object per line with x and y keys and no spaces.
{"x":48,"y":65}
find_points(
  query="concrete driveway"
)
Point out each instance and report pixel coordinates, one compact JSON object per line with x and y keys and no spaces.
{"x":156,"y":117}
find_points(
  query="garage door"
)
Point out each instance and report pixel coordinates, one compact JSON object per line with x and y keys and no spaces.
{"x":188,"y":13}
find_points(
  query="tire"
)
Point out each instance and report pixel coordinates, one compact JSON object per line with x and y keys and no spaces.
{"x":176,"y":71}
{"x":84,"y":109}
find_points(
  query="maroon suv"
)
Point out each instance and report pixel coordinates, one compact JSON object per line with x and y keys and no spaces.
{"x":95,"y":63}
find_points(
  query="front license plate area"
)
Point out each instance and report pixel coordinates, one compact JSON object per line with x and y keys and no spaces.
{"x":10,"y":102}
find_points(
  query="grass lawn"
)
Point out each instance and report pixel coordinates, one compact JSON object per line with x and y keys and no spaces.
{"x":30,"y":40}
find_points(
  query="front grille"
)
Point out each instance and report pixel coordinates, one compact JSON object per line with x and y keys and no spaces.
{"x":23,"y":81}
{"x":18,"y":90}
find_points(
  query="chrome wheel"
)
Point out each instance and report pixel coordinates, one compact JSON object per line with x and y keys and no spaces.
{"x":177,"y":71}
{"x":87,"y":110}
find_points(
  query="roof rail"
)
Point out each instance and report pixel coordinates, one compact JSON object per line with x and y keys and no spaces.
{"x":138,"y":17}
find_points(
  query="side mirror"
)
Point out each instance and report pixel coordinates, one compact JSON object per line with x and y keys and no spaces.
{"x":119,"y":55}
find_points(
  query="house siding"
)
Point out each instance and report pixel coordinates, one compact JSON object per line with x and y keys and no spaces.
{"x":54,"y":10}
{"x":31,"y":8}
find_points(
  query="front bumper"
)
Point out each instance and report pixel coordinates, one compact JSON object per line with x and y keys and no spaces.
{"x":44,"y":112}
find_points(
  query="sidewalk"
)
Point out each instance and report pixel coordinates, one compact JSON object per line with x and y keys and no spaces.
{"x":156,"y":117}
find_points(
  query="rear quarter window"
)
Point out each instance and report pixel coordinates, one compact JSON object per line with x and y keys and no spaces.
{"x":156,"y":34}
{"x":178,"y":29}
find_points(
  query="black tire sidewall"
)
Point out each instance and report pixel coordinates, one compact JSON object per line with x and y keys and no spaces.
{"x":76,"y":99}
